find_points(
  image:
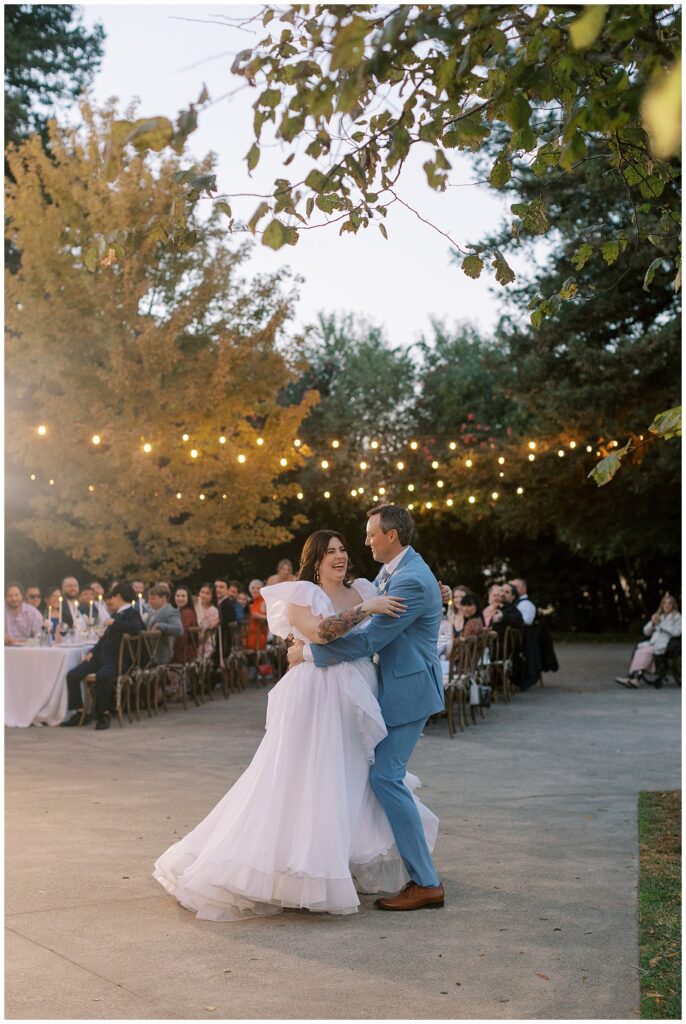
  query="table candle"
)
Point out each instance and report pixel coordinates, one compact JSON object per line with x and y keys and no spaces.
{"x":60,"y":604}
{"x":90,"y":609}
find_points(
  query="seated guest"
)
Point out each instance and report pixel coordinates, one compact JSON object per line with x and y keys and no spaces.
{"x":508,"y":614}
{"x":493,"y":603}
{"x":70,"y":600}
{"x":99,"y":592}
{"x":185,"y":648}
{"x":457,"y":617}
{"x":141,"y":605}
{"x":52,"y":608}
{"x":244,"y":601}
{"x":87,"y":603}
{"x":660,"y":628}
{"x":527,"y":608}
{"x":207,"y":614}
{"x":227,"y":615}
{"x":283,"y":574}
{"x":257,"y":628}
{"x":473,"y":622}
{"x":22,"y":620}
{"x":164,"y":618}
{"x":33,"y":595}
{"x":103,"y":660}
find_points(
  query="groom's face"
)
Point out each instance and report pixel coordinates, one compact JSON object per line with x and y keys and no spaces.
{"x":382,"y":544}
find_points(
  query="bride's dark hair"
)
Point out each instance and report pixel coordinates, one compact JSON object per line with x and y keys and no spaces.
{"x":314,"y":550}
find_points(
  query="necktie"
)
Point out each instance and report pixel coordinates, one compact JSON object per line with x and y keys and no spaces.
{"x":383,"y":580}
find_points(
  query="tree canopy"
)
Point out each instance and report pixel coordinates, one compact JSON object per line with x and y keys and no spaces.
{"x":136,"y":396}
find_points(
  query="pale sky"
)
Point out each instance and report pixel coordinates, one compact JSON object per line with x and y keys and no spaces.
{"x":152,"y":53}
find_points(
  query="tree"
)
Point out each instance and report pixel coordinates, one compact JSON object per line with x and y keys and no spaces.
{"x":137,"y":393}
{"x":49,"y":58}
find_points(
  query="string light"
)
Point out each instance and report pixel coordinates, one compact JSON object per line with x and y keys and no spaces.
{"x":283,"y":462}
{"x":494,"y":495}
{"x":375,"y":498}
{"x":222,"y":440}
{"x":241,"y":458}
{"x":531,"y":457}
{"x":374,"y":444}
{"x":472,"y":499}
{"x":572,"y":444}
{"x":429,"y":505}
{"x":520,"y":490}
{"x":223,"y":497}
{"x":91,"y":488}
{"x":363,"y":465}
{"x":51,"y":482}
{"x":410,"y":506}
{"x":501,"y":474}
{"x":327,"y":494}
{"x":434,"y":464}
{"x":335,"y":444}
{"x":147,"y":448}
{"x":260,"y":441}
{"x":450,"y":503}
{"x":179,"y":495}
{"x":382,"y":490}
{"x":184,"y":437}
{"x":410,"y":487}
{"x":361,"y":490}
{"x":439,"y":483}
{"x":202,"y":497}
{"x":400,"y":465}
{"x":33,"y":476}
{"x":300,"y":495}
{"x":297,"y":442}
{"x":194,"y":453}
{"x":414,"y":446}
{"x":501,"y":461}
{"x":452,"y":446}
{"x":95,"y":439}
{"x":469,"y":463}
{"x":353,"y":493}
{"x":561,"y":453}
{"x":589,"y":448}
{"x":532,"y":445}
{"x":325,"y":463}
{"x":42,"y":430}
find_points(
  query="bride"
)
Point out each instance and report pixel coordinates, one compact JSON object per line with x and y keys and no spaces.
{"x":302,"y":827}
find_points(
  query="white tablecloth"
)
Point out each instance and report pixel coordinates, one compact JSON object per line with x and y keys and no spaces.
{"x":35,"y":683}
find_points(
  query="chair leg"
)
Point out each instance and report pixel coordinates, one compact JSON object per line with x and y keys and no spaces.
{"x":449,"y":701}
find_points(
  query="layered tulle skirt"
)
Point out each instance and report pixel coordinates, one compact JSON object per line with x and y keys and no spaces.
{"x":301,"y":827}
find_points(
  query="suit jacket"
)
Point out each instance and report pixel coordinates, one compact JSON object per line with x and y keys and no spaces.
{"x":168,"y":621}
{"x":106,"y":651}
{"x":410,"y":675}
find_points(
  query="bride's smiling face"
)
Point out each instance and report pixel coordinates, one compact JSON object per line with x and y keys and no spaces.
{"x":334,"y":564}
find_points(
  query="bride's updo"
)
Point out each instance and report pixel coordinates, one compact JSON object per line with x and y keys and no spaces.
{"x":314,"y":550}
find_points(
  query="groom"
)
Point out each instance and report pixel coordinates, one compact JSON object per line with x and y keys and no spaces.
{"x":410,"y":689}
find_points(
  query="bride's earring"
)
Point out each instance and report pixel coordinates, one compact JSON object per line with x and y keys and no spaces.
{"x":316,"y":575}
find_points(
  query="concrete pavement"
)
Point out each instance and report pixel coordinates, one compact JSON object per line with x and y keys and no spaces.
{"x":537,"y":849}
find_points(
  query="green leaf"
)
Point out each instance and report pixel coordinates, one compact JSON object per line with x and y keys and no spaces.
{"x":223,"y":207}
{"x":275,"y":235}
{"x":585,"y":29}
{"x":537,"y":318}
{"x":348,"y":44}
{"x":604,"y":470}
{"x":472,"y":266}
{"x":90,"y":259}
{"x":257,"y":216}
{"x":667,"y":424}
{"x":309,"y":207}
{"x":574,"y":152}
{"x":317,"y":181}
{"x":382,"y":229}
{"x":610,"y":251}
{"x":568,"y":289}
{"x":253,"y":157}
{"x":501,"y":172}
{"x":650,"y":273}
{"x":151,"y":133}
{"x":517,"y":112}
{"x":582,"y":255}
{"x":504,"y":274}
{"x":269,"y":98}
{"x":468,"y":133}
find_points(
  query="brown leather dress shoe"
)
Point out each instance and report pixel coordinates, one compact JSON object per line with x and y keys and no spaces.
{"x":413,"y":897}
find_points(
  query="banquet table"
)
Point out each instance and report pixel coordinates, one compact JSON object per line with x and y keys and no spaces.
{"x":36,"y":683}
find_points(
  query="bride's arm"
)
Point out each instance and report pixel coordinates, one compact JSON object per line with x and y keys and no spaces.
{"x":319,"y":630}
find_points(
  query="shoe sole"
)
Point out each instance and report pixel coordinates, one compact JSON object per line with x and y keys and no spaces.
{"x":405,"y":910}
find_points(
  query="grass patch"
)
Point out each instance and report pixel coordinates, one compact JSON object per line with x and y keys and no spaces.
{"x":659,"y":904}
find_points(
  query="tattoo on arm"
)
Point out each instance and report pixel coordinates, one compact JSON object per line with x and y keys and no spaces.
{"x":336,"y":625}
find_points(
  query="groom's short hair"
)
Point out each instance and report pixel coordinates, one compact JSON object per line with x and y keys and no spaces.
{"x":395,"y":517}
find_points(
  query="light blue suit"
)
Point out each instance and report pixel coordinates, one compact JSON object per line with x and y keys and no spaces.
{"x":410,"y":689}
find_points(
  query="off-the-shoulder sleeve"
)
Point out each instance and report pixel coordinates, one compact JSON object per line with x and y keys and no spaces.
{"x":280,"y":595}
{"x":365,"y":589}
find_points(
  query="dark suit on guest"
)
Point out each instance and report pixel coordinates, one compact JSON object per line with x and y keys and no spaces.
{"x":227,"y":615}
{"x":104,"y":661}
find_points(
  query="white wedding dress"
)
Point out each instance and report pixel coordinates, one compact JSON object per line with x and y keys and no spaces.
{"x":302,"y":820}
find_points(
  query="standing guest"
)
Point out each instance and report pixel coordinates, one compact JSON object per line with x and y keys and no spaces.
{"x":207,"y":614}
{"x":33,"y":595}
{"x":104,"y":659}
{"x":473,"y":621}
{"x":185,"y":647}
{"x":664,"y":624}
{"x":234,"y":589}
{"x":493,"y":604}
{"x":164,"y":618}
{"x":22,"y":620}
{"x":257,"y":629}
{"x":283,"y":574}
{"x":527,"y":609}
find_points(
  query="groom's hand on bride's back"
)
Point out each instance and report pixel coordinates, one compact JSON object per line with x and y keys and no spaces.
{"x":295,"y":653}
